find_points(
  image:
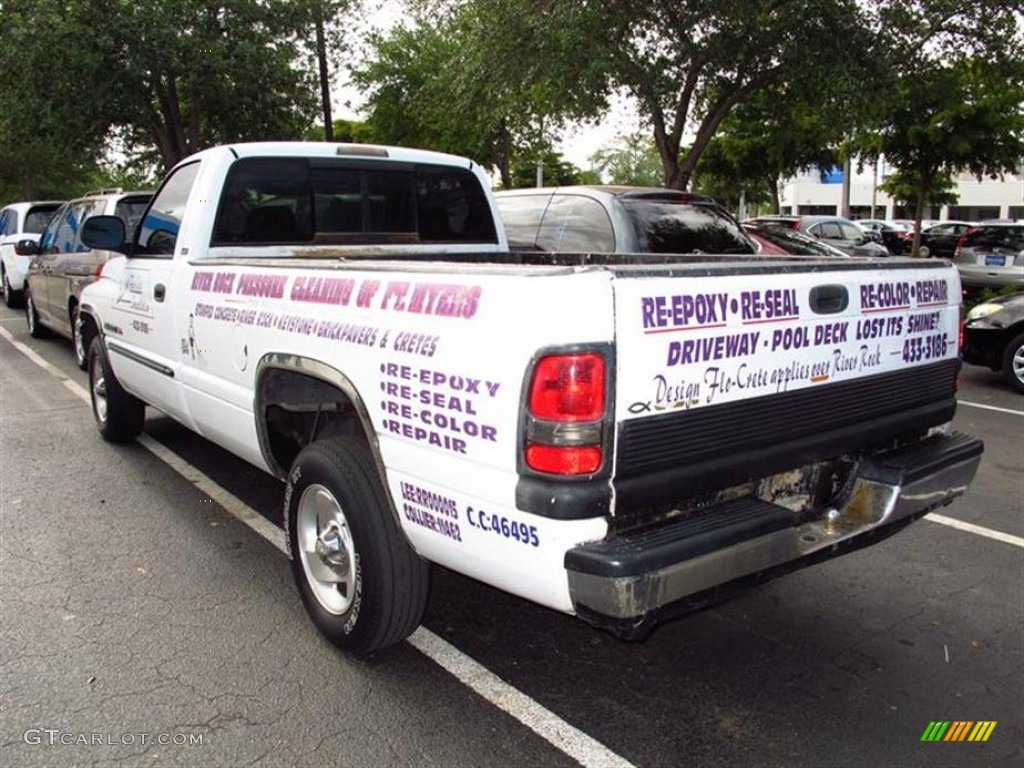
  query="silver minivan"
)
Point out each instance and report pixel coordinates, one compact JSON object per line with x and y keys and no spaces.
{"x":62,"y":265}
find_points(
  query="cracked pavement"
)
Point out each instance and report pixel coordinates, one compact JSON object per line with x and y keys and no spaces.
{"x":128,"y":606}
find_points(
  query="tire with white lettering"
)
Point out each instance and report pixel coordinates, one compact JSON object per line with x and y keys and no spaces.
{"x":362,"y":584}
{"x":1013,"y":362}
{"x":119,"y":415}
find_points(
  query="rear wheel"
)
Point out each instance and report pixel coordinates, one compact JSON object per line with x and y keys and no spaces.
{"x":924,"y":252}
{"x":35,"y":328}
{"x":1013,"y":363}
{"x":362,"y":584}
{"x":119,"y":415}
{"x":12,"y":298}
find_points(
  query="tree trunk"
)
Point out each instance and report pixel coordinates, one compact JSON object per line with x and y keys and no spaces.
{"x":776,"y":203}
{"x":505,"y":155}
{"x":922,"y":194}
{"x":325,"y":86}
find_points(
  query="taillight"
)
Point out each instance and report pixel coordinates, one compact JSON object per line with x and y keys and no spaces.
{"x":568,"y":388}
{"x":960,"y":242}
{"x":565,"y":413}
{"x":564,"y":460}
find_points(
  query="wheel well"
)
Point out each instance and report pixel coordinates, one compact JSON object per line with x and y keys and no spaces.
{"x":294,"y":409}
{"x":89,"y":328}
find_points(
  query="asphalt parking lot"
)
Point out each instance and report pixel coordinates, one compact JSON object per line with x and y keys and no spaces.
{"x":135,"y":607}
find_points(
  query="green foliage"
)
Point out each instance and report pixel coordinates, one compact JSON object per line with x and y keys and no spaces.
{"x":772,"y":135}
{"x":168,"y":78}
{"x":50,"y":136}
{"x":974,"y":298}
{"x":903,"y":188}
{"x":194,"y":73}
{"x":629,"y":160}
{"x":486,"y":79}
{"x":345,"y":132}
{"x":690,"y":63}
{"x":956,"y":102}
{"x":558,"y":172}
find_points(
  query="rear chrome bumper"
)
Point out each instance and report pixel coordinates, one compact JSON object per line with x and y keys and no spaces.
{"x":626,"y":582}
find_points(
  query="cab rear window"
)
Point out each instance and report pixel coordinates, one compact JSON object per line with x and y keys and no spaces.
{"x":325,"y":201}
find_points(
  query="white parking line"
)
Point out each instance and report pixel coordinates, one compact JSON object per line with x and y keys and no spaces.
{"x":990,"y":407}
{"x":988,"y":533}
{"x":566,"y":738}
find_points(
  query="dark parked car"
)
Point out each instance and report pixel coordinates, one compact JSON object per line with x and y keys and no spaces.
{"x":834,"y":230}
{"x":62,"y":265}
{"x":897,"y":238}
{"x":991,"y":255}
{"x":940,"y":241}
{"x":775,"y":239}
{"x":994,"y":336}
{"x":609,"y":219}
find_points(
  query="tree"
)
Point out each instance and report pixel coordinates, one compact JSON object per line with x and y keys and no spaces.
{"x":629,"y":160}
{"x":957,"y":102}
{"x":772,"y":135}
{"x":194,"y":73}
{"x":690,"y":63}
{"x":473,"y":79}
{"x":50,"y":137}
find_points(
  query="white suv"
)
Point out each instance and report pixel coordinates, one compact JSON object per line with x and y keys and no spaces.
{"x":20,"y":221}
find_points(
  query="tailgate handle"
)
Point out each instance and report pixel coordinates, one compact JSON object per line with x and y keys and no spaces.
{"x":829,"y":299}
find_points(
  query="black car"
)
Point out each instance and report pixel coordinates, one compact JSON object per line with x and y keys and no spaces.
{"x":994,"y":336}
{"x":940,"y":241}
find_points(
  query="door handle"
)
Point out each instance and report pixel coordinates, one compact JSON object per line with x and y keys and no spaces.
{"x":159,"y":291}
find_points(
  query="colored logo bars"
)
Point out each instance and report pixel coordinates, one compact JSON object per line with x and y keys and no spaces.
{"x":958,"y":730}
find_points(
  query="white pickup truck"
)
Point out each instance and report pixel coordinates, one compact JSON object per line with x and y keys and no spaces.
{"x":621,"y":437}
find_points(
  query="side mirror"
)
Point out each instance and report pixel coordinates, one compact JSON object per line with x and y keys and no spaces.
{"x":104,"y":233}
{"x":27,"y":247}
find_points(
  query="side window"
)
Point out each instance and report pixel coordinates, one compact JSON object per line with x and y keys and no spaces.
{"x":521,"y":215}
{"x":945,"y":229}
{"x":48,"y":239}
{"x":158,"y":232}
{"x":574,"y":223}
{"x":828,"y":230}
{"x":129,"y":210}
{"x":67,"y":228}
{"x":851,"y":232}
{"x":5,"y":220}
{"x":83,"y":212}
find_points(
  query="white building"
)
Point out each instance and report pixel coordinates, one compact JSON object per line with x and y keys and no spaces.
{"x":815,"y":192}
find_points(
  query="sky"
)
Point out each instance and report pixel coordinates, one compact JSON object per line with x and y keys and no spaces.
{"x":578,"y":142}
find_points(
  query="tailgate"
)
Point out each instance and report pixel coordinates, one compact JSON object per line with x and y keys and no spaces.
{"x":732,"y":372}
